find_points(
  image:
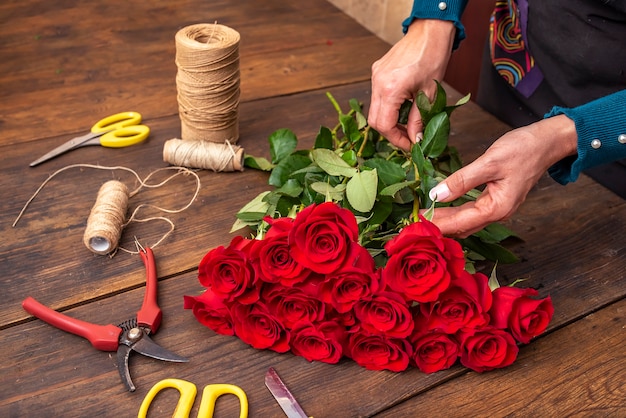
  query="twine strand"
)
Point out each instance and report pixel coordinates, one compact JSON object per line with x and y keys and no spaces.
{"x":107,"y":218}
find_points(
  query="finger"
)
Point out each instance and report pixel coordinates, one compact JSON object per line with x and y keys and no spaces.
{"x":460,"y":221}
{"x":463,"y":180}
{"x":383,"y":116}
{"x":415,"y":126}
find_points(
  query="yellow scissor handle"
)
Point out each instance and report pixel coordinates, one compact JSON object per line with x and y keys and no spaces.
{"x":124,"y":137}
{"x":185,"y":402}
{"x":188,"y":393}
{"x":214,"y":391}
{"x":117,"y":121}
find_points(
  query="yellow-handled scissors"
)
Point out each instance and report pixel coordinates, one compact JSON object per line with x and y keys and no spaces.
{"x":115,"y":131}
{"x":188,"y":393}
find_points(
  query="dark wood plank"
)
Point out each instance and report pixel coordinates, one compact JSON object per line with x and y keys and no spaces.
{"x":577,"y":371}
{"x":62,"y":71}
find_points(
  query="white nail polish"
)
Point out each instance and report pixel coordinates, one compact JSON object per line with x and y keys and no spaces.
{"x":418,"y":137}
{"x":439,"y":192}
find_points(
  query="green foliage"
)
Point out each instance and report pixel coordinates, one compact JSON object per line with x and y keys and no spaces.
{"x":355,"y":166}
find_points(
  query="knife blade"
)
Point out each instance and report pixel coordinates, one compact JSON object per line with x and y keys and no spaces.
{"x":283,"y":396}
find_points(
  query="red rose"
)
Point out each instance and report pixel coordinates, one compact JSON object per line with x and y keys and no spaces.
{"x":465,"y":304}
{"x":291,"y":305}
{"x":211,"y":312}
{"x":434,"y":351}
{"x":275,"y":260}
{"x":354,"y":281}
{"x":321,"y":235}
{"x":422,"y":262}
{"x":525,"y":317}
{"x":378,"y":352}
{"x":229,"y":272}
{"x":257,"y":326}
{"x":323,"y":341}
{"x":487,"y":349}
{"x":386,"y":313}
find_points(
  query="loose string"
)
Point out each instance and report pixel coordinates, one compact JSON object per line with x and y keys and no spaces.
{"x":207,"y":80}
{"x":203,"y":154}
{"x":109,"y":206}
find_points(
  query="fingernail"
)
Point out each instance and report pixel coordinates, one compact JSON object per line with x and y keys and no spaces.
{"x":419,"y":137}
{"x":439,"y":192}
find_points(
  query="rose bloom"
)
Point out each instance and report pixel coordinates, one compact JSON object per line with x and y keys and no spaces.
{"x":354,"y":281}
{"x":291,"y":305}
{"x":487,"y":349}
{"x":422,"y":262}
{"x":275,"y":260}
{"x":387,"y":313}
{"x":515,"y":309}
{"x":321,"y":235}
{"x":434,"y":351}
{"x":465,"y":303}
{"x":257,"y":326}
{"x":323,"y":341}
{"x":378,"y":352}
{"x":229,"y":272}
{"x":211,"y":312}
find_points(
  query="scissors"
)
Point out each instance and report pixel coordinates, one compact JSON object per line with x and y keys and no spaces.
{"x":188,"y":392}
{"x":115,"y":131}
{"x":131,"y":335}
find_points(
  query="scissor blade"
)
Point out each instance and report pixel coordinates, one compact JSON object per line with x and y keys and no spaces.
{"x":79,"y":141}
{"x":149,"y":348}
{"x":282,"y":395}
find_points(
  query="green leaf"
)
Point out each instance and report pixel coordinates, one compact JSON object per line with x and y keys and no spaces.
{"x":490,"y":251}
{"x":282,"y":143}
{"x":324,"y":138}
{"x":403,"y":114}
{"x":355,"y":105}
{"x":252,"y":212}
{"x":282,"y":172}
{"x":361,"y":190}
{"x":331,"y":163}
{"x":493,"y":279}
{"x":335,"y":193}
{"x":350,"y":128}
{"x":291,"y":188}
{"x":258,"y":163}
{"x":494,"y":233}
{"x":436,"y":135}
{"x":389,"y":172}
{"x":349,"y":157}
{"x":394,"y":188}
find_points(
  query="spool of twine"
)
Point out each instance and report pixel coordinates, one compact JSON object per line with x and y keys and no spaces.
{"x":207,"y":57}
{"x":106,"y":219}
{"x":202,"y":154}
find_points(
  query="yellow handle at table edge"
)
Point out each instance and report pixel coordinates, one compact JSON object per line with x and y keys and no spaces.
{"x":116,"y":121}
{"x":187,"y":391}
{"x":124,"y":137}
{"x":214,"y":391}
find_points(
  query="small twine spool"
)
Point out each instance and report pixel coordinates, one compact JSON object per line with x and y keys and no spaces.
{"x":107,"y":217}
{"x":207,"y":57}
{"x":202,"y":154}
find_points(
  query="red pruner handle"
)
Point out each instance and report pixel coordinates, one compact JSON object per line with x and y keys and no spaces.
{"x":150,"y":314}
{"x":102,"y":337}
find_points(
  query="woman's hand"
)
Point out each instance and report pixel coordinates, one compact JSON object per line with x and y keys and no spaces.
{"x":410,"y":66}
{"x":509,"y":169}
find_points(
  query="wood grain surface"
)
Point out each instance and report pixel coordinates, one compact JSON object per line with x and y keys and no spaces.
{"x":65,"y":64}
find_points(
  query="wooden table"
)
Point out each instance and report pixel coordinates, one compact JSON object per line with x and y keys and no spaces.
{"x":65,"y":64}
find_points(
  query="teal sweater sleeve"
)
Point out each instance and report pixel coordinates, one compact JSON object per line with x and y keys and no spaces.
{"x":451,"y":10}
{"x":601,"y":129}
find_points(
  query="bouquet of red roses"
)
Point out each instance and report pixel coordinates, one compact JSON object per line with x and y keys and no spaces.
{"x":344,"y":261}
{"x":308,"y":286}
